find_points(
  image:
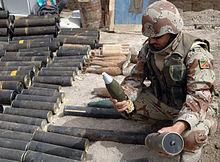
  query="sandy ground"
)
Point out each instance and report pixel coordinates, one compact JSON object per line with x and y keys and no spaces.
{"x":80,"y":94}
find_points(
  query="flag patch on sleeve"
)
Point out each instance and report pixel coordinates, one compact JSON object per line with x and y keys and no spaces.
{"x":204,"y":64}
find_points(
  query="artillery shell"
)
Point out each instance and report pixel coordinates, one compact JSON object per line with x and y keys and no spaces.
{"x":46,"y":90}
{"x":35,"y":105}
{"x":62,"y":140}
{"x":49,"y":86}
{"x":4,"y":31}
{"x":59,"y":80}
{"x":13,"y":144}
{"x":52,"y":99}
{"x":56,"y":73}
{"x":56,"y":150}
{"x":12,"y":85}
{"x":18,"y":127}
{"x":41,"y":92}
{"x":91,"y":112}
{"x":100,"y":134}
{"x":39,"y":49}
{"x":76,"y":69}
{"x":74,"y":64}
{"x":11,"y":154}
{"x":4,"y":133}
{"x":43,"y":114}
{"x":4,"y":14}
{"x":23,"y":120}
{"x":4,"y":23}
{"x":22,"y":41}
{"x":7,"y":96}
{"x":35,"y":30}
{"x":22,"y":63}
{"x":74,"y":52}
{"x":32,"y":37}
{"x":28,"y":22}
{"x":38,"y":156}
{"x":30,"y":54}
{"x":33,"y":68}
{"x":18,"y":73}
{"x":25,"y":79}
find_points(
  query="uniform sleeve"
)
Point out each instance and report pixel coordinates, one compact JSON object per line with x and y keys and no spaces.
{"x":201,"y":81}
{"x":133,"y":82}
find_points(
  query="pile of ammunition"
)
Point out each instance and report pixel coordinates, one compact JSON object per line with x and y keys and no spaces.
{"x":5,"y":25}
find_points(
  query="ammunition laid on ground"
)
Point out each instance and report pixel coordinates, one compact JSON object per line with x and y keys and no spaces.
{"x":41,"y":92}
{"x":71,"y":57}
{"x":23,"y":120}
{"x":113,"y":71}
{"x":49,"y":86}
{"x":36,"y":105}
{"x":3,"y":39}
{"x":38,"y":156}
{"x":4,"y":133}
{"x":52,"y":99}
{"x":13,"y":144}
{"x":32,"y":37}
{"x":7,"y":96}
{"x":59,"y":80}
{"x":169,"y":143}
{"x":18,"y":73}
{"x":46,"y":90}
{"x":56,"y":150}
{"x":72,"y":52}
{"x":25,"y":79}
{"x":4,"y":14}
{"x":100,"y":135}
{"x":12,"y":85}
{"x":21,"y":63}
{"x":56,"y":73}
{"x":11,"y":154}
{"x":62,"y":140}
{"x":39,"y":49}
{"x":69,"y":64}
{"x":28,"y":54}
{"x":30,"y":41}
{"x":18,"y":127}
{"x":4,"y":31}
{"x":56,"y":68}
{"x":43,"y":114}
{"x":29,"y":22}
{"x":83,"y":61}
{"x":21,"y":31}
{"x":91,"y":112}
{"x":33,"y":68}
{"x":4,"y":23}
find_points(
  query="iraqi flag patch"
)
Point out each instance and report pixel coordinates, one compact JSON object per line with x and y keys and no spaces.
{"x":204,"y":64}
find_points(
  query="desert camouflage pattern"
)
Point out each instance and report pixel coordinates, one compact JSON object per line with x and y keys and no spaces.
{"x":160,"y":18}
{"x":199,"y":109}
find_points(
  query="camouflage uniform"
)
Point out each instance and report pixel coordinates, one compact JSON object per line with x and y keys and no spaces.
{"x":182,"y":81}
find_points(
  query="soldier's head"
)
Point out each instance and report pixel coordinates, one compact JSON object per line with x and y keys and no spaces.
{"x":161,"y":20}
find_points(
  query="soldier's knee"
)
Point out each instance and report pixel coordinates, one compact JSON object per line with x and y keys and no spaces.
{"x":195,"y":139}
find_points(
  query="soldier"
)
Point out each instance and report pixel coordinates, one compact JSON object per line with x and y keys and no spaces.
{"x":180,"y":69}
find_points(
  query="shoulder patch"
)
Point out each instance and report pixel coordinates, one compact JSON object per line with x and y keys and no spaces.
{"x":203,"y":64}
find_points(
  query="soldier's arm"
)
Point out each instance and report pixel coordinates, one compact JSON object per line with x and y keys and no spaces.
{"x":200,"y":85}
{"x":132,"y":84}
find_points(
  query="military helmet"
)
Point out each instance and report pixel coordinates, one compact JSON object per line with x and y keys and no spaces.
{"x":160,"y":18}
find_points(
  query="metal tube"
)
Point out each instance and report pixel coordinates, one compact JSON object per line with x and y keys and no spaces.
{"x":18,"y":73}
{"x":11,"y":154}
{"x":59,"y":80}
{"x":30,"y":54}
{"x":25,"y":79}
{"x":43,"y":93}
{"x":43,"y":114}
{"x":38,"y":156}
{"x":23,"y":120}
{"x":4,"y":133}
{"x":21,"y":41}
{"x":35,"y":105}
{"x":56,"y":150}
{"x":91,"y":112}
{"x":76,"y":69}
{"x":101,"y":135}
{"x":49,"y":86}
{"x":33,"y":68}
{"x":52,"y":99}
{"x":18,"y":127}
{"x":13,"y":144}
{"x":75,"y":52}
{"x":12,"y":85}
{"x":30,"y":37}
{"x":22,"y":63}
{"x":35,"y":30}
{"x":46,"y":90}
{"x":78,"y":64}
{"x":39,"y":49}
{"x":29,"y":22}
{"x":62,"y":140}
{"x":7,"y":96}
{"x":56,"y":73}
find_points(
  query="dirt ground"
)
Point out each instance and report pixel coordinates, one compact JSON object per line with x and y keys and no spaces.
{"x":80,"y":94}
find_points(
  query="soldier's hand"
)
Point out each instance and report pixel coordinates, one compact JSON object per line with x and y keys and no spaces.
{"x":119,"y":106}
